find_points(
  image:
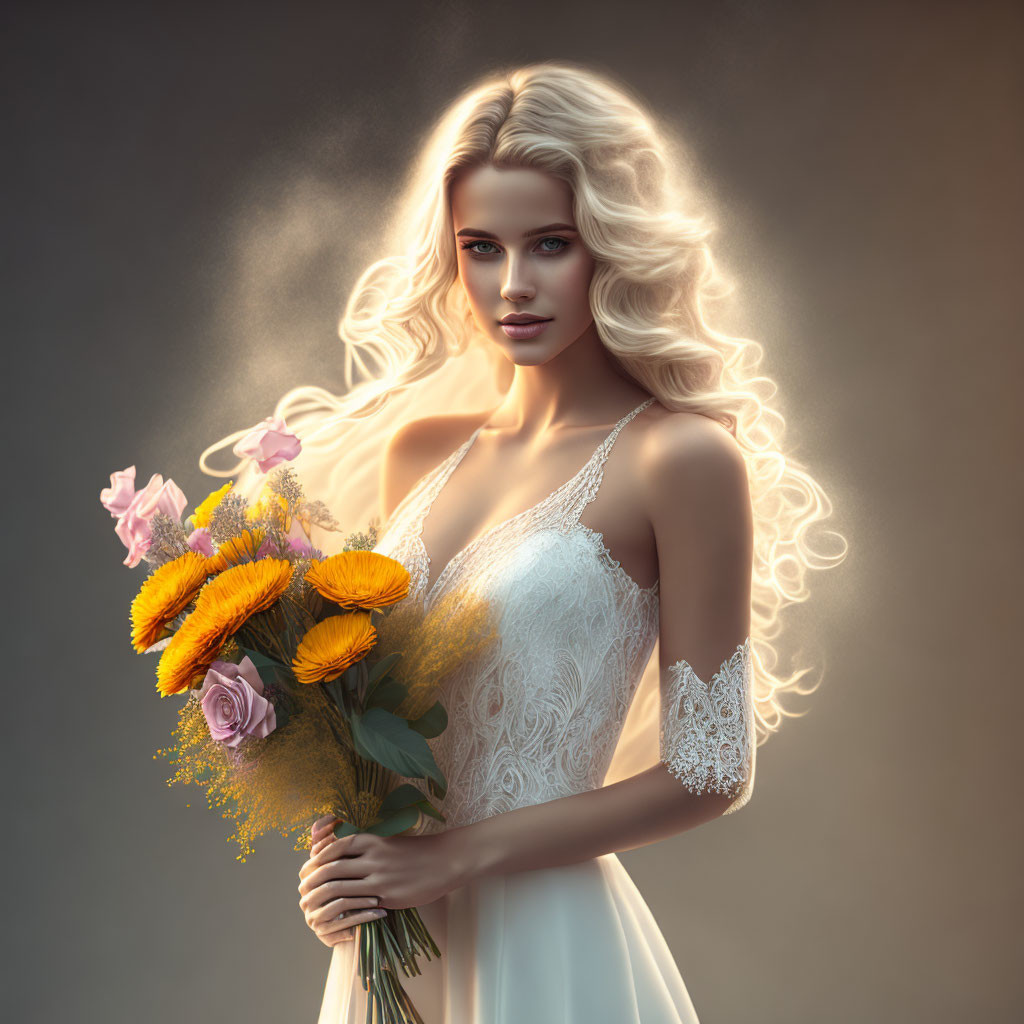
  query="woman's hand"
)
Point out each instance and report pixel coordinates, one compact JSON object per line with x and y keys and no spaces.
{"x":402,"y":871}
{"x":332,"y":919}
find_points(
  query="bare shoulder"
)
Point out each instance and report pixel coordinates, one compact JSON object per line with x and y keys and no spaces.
{"x":691,"y":466}
{"x":418,"y":447}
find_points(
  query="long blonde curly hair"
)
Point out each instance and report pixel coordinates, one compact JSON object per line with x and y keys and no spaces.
{"x":411,"y":346}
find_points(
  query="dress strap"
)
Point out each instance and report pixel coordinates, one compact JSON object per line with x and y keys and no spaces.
{"x":583,"y":488}
{"x":434,"y":482}
{"x":413,"y":508}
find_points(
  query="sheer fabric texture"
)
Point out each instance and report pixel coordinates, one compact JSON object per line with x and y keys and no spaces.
{"x":536,"y":718}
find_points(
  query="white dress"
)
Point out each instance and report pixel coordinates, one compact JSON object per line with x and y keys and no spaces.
{"x":536,"y":720}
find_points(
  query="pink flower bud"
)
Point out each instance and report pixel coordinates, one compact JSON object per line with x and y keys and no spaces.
{"x":269,"y":443}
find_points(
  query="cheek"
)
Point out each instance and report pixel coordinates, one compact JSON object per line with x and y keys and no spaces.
{"x":571,"y":285}
{"x":475,"y":277}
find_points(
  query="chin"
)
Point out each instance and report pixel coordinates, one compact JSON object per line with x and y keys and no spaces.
{"x":529,"y":353}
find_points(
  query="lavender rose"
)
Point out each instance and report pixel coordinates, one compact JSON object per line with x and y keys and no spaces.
{"x":233,"y":702}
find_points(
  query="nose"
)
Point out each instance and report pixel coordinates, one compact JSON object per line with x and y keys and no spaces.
{"x":515,"y":285}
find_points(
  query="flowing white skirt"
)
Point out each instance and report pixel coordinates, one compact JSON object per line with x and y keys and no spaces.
{"x":566,"y":945}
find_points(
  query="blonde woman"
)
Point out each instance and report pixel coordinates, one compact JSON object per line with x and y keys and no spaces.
{"x":605,"y":466}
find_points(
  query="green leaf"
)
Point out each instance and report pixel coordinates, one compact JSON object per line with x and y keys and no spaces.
{"x":334,"y":691}
{"x":432,"y":722}
{"x":399,"y":822}
{"x":382,"y":667}
{"x":428,"y":808}
{"x":344,"y":828}
{"x":387,"y":694}
{"x":408,"y":795}
{"x":270,"y":670}
{"x":387,"y":739}
{"x":262,"y":661}
{"x":350,"y":677}
{"x":403,"y":796}
{"x":281,"y":714}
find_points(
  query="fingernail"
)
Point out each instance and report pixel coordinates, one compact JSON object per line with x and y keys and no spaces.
{"x":378,"y":913}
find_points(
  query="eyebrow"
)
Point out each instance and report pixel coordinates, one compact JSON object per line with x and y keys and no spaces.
{"x":526,"y":234}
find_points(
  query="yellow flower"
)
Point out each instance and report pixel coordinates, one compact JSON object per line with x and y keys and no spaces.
{"x":270,"y":506}
{"x":164,"y":594}
{"x":223,"y":607}
{"x":332,"y":646}
{"x":238,"y":549}
{"x":203,"y":513}
{"x":189,"y":654}
{"x":359,"y":579}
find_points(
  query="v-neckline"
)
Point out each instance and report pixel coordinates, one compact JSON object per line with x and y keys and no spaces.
{"x":453,"y":462}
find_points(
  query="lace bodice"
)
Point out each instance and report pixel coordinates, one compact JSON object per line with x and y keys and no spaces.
{"x":537,"y":717}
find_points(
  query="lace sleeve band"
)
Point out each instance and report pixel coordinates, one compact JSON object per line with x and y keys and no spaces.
{"x":707,"y":729}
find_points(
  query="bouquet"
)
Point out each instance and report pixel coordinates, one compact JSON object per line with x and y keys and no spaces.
{"x":295,"y":706}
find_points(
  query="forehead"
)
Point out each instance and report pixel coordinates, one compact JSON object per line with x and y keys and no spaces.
{"x":509,"y":201}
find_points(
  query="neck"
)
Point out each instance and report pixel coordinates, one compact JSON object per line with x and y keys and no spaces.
{"x":582,"y":386}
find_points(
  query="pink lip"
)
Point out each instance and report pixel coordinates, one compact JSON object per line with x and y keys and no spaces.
{"x":520,"y":332}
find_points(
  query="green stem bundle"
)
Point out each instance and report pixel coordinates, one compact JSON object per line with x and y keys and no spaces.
{"x":397,"y":939}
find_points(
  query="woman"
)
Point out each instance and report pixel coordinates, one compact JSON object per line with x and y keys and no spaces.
{"x":625,"y":493}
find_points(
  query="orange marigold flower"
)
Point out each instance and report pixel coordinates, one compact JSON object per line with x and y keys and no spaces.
{"x":193,"y":648}
{"x":202,"y":514}
{"x":359,"y":579}
{"x":238,"y":550}
{"x":165,"y":593}
{"x":223,"y":607}
{"x":332,"y":646}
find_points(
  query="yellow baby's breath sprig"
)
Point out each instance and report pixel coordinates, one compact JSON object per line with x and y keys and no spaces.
{"x":166,"y":592}
{"x":277,"y":784}
{"x":459,"y":627}
{"x":332,"y":646}
{"x":359,"y":579}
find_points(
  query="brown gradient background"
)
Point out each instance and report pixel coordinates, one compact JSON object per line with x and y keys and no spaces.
{"x":189,"y":196}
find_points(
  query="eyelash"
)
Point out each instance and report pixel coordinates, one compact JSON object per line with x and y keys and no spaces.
{"x":547,"y":238}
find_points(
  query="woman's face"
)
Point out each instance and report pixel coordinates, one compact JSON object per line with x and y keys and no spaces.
{"x":521,"y":258}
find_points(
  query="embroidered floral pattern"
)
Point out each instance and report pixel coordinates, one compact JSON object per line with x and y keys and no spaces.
{"x":707,"y":729}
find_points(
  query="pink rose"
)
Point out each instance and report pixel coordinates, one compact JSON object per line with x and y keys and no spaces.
{"x":270,"y":443}
{"x":201,"y":541}
{"x":115,"y":498}
{"x":133,"y":525}
{"x":233,"y":702}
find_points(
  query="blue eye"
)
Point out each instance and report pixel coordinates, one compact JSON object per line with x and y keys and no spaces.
{"x":562,"y":243}
{"x":543,"y":246}
{"x":472,"y":247}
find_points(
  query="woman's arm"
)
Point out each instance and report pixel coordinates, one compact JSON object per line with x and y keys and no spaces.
{"x":697,"y":497}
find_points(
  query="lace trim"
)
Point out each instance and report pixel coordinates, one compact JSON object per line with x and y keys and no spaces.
{"x":613,"y":564}
{"x":707,"y":729}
